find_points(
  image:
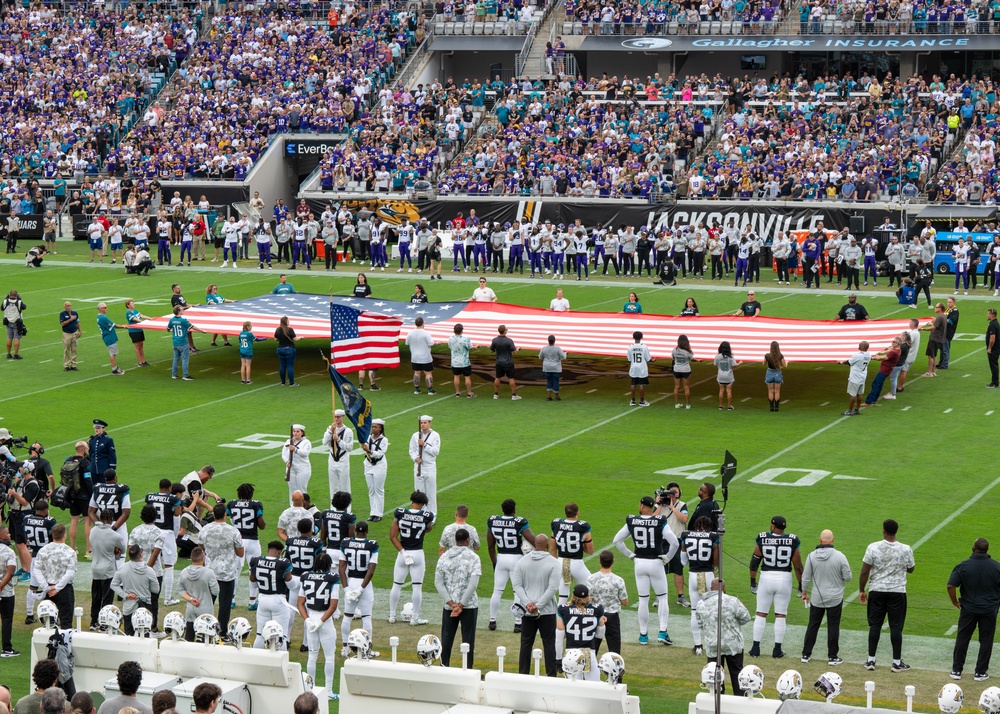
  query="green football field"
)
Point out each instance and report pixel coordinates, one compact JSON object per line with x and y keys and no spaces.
{"x":924,"y":459}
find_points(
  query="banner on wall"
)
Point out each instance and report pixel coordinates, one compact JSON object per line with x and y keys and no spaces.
{"x":764,"y":220}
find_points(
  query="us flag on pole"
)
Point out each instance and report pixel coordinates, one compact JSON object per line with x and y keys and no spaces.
{"x":359,"y":340}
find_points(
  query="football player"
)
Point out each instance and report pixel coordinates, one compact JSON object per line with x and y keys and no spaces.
{"x":778,"y":552}
{"x":357,"y":568}
{"x":247,"y":516}
{"x":700,"y":552}
{"x":301,"y":551}
{"x":579,"y":625}
{"x":409,"y":526}
{"x":649,"y":532}
{"x":271,"y":574}
{"x":571,"y":538}
{"x":505,"y":536}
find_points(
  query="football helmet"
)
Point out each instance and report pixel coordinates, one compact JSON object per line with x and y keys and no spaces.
{"x":829,"y":685}
{"x":407,"y":613}
{"x":574,"y":661}
{"x":950,"y":698}
{"x":274,"y":636}
{"x":174,"y":625}
{"x":613,"y":665}
{"x":989,"y":700}
{"x":789,"y":685}
{"x":48,"y":613}
{"x":239,"y":628}
{"x":360,"y":643}
{"x":142,"y":622}
{"x":428,"y":649}
{"x":207,"y":629}
{"x":110,"y":619}
{"x":711,"y":677}
{"x":751,"y":680}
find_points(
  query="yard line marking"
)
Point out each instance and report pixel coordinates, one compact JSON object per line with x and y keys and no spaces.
{"x":818,"y":369}
{"x":951,"y":631}
{"x":905,"y":409}
{"x":48,"y":331}
{"x":825,"y":404}
{"x":948,"y":410}
{"x":786,"y":401}
{"x":966,"y":375}
{"x":707,"y":396}
{"x":989,"y":413}
{"x":44,"y":361}
{"x":591,"y":391}
{"x":271,"y":373}
{"x":561,"y":440}
{"x":208,"y":369}
{"x":745,"y":399}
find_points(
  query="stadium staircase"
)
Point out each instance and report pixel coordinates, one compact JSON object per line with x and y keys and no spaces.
{"x":534,"y":63}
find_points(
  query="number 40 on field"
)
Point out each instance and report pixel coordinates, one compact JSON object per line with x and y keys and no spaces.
{"x":780,"y":476}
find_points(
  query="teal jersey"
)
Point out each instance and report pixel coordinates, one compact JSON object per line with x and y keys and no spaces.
{"x":213,"y":299}
{"x":179,"y":328}
{"x":132,"y":317}
{"x":107,"y":328}
{"x":246,"y":343}
{"x":283,"y":289}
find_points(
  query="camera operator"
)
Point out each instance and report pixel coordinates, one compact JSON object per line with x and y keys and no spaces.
{"x":22,"y":492}
{"x":43,"y":469}
{"x":12,"y":307}
{"x":676,"y":511}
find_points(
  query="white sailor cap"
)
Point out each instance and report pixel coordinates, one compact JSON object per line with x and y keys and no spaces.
{"x":426,"y":418}
{"x":378,"y":421}
{"x":299,"y":427}
{"x":339,"y":412}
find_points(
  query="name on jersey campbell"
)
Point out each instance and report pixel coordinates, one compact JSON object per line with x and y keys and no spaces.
{"x":832,"y":43}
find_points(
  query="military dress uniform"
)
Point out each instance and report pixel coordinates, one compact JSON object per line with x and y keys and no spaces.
{"x":301,"y":470}
{"x":339,"y":466}
{"x":375,"y":472}
{"x":102,"y":453}
{"x":425,"y":473}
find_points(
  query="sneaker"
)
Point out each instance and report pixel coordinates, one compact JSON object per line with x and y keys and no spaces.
{"x":632,"y":403}
{"x":678,"y":405}
{"x":683,"y":601}
{"x":9,"y":653}
{"x":333,"y":697}
{"x":493,"y":625}
{"x":252,"y":606}
{"x":431,"y":392}
{"x":517,"y":627}
{"x":515,"y":397}
{"x":991,"y":386}
{"x":900,"y":666}
{"x":24,"y":577}
{"x":834,"y":661}
{"x":303,"y":647}
{"x":643,"y":403}
{"x":374,"y":387}
{"x":804,"y":659}
{"x":470,"y":395}
{"x":697,"y":650}
{"x":392,"y":619}
{"x":777,"y":652}
{"x":191,"y":379}
{"x":30,"y":620}
{"x":663,"y":638}
{"x":496,"y":396}
{"x":889,"y":396}
{"x":754,"y":651}
{"x":848,"y":413}
{"x":416,"y":391}
{"x":345,"y":651}
{"x":955,"y":674}
{"x":687,"y":406}
{"x":643,"y":639}
{"x":116,"y":370}
{"x":458,"y":394}
{"x":870,"y":665}
{"x":417,"y":623}
{"x":175,"y":601}
{"x":981,"y":676}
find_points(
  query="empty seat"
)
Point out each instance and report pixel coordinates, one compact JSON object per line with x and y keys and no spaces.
{"x":726,"y":28}
{"x":716,"y":28}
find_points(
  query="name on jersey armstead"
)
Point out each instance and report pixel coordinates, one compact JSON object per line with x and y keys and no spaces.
{"x":834,"y":43}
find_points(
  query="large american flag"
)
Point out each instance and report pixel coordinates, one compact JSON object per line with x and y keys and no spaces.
{"x":593,"y":333}
{"x":360,"y":340}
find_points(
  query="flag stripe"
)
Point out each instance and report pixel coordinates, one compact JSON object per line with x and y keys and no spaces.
{"x":594,"y":333}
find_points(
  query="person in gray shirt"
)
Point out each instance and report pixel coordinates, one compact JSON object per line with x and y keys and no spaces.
{"x":828,"y":572}
{"x":198,"y":587}
{"x":552,"y":358}
{"x":129,"y":679}
{"x":536,"y":583}
{"x":106,"y":544}
{"x":135,"y":583}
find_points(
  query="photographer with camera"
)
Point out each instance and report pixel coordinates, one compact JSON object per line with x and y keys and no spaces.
{"x":671,"y":506}
{"x":22,"y":492}
{"x":74,"y":474}
{"x":12,"y":307}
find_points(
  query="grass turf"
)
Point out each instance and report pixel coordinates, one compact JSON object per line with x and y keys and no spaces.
{"x":918,"y":459}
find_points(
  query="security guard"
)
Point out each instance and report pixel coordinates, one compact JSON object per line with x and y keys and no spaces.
{"x":102,"y":452}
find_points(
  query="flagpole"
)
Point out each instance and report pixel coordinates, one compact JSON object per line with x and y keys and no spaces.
{"x":329,"y":363}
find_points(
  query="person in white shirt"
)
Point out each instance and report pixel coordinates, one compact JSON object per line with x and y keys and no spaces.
{"x":885,"y":567}
{"x":340,"y":440}
{"x":559,"y":303}
{"x":420,"y":342}
{"x":638,"y":368}
{"x":856,"y":381}
{"x":95,"y":233}
{"x":483,"y":293}
{"x":960,"y":253}
{"x":425,"y":445}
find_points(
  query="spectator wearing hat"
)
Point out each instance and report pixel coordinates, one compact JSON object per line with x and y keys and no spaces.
{"x":102,"y":452}
{"x":295,"y":454}
{"x":425,"y":445}
{"x":375,"y":469}
{"x":340,"y":441}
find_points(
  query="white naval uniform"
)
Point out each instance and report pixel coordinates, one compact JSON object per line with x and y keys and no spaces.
{"x":301,"y":471}
{"x":375,"y":474}
{"x":339,"y":468}
{"x":425,"y":473}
